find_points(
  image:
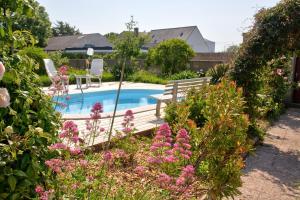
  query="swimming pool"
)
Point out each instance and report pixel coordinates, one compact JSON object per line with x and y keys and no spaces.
{"x":129,"y":98}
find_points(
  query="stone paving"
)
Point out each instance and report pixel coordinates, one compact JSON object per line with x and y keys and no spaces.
{"x":273,"y":172}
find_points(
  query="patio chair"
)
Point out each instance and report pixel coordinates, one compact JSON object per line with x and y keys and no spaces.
{"x":50,"y":69}
{"x":96,"y":70}
{"x":52,"y":73}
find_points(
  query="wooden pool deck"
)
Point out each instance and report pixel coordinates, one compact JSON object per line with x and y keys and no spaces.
{"x":144,"y":121}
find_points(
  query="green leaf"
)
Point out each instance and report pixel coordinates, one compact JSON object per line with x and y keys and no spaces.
{"x":20,"y":173}
{"x":12,"y":181}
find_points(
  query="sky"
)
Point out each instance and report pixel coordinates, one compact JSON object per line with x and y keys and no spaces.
{"x":222,"y":21}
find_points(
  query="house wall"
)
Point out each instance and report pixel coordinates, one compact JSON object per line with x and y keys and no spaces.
{"x":197,"y":42}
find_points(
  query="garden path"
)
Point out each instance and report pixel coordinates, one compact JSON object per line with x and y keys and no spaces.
{"x":273,"y":172}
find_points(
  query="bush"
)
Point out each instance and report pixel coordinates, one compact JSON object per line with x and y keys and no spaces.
{"x":58,"y":58}
{"x":146,"y":77}
{"x":172,"y":55}
{"x":37,"y":54}
{"x":27,"y":127}
{"x":187,"y":74}
{"x":218,"y":126}
{"x":218,"y":72}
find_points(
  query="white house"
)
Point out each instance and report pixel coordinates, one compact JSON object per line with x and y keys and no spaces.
{"x":189,"y":34}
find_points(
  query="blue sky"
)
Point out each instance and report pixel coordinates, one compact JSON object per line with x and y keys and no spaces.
{"x":222,"y":21}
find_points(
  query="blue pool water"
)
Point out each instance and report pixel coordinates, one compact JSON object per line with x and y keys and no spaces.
{"x":129,"y":98}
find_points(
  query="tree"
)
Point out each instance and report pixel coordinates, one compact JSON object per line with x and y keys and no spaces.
{"x":63,"y":28}
{"x":172,"y":55}
{"x":37,"y":22}
{"x":232,"y":49}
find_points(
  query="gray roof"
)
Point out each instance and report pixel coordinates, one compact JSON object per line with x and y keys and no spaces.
{"x":84,"y":41}
{"x":160,"y":35}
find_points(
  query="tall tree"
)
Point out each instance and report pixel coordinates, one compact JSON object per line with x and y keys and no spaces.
{"x":63,"y":28}
{"x":37,"y":22}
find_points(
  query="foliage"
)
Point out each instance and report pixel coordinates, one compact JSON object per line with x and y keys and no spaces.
{"x":36,"y":20}
{"x":127,"y":46}
{"x":172,"y":55}
{"x":233,"y":49}
{"x":215,"y":118}
{"x":33,"y":125}
{"x":117,"y":68}
{"x":64,"y":29}
{"x":29,"y":124}
{"x":58,"y":58}
{"x":146,"y":77}
{"x":218,"y":72}
{"x":187,"y":74}
{"x":275,"y":33}
{"x":37,"y":54}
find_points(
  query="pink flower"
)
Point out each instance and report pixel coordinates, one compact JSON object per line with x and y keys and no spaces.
{"x":55,"y":164}
{"x":279,"y":72}
{"x":127,"y":122}
{"x":58,"y":146}
{"x":75,"y":151}
{"x":182,"y":146}
{"x":97,"y":107}
{"x":164,"y":179}
{"x":83,"y":163}
{"x":107,"y":156}
{"x":4,"y":98}
{"x":39,"y":189}
{"x":161,"y":145}
{"x":68,"y":98}
{"x":139,"y":170}
{"x":63,"y":70}
{"x":186,"y":175}
{"x":2,"y":70}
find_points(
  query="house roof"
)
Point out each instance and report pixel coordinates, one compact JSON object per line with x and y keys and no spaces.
{"x":84,"y":41}
{"x":160,"y":35}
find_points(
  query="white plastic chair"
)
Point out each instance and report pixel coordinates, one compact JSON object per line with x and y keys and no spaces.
{"x":96,"y":70}
{"x":52,"y":73}
{"x":50,"y":69}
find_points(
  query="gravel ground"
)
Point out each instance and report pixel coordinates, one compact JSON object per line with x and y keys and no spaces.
{"x":273,"y":172}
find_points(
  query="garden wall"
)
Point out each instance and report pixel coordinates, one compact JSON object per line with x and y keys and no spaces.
{"x":201,"y":62}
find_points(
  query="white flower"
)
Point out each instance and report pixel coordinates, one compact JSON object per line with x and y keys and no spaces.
{"x":2,"y":70}
{"x":4,"y":98}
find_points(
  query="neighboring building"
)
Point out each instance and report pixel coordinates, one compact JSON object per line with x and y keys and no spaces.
{"x":190,"y":34}
{"x":80,"y":43}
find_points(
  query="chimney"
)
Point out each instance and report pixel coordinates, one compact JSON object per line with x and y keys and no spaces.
{"x":136,"y":31}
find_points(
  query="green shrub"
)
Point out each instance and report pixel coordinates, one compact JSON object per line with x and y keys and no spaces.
{"x":37,"y":54}
{"x":58,"y":58}
{"x":217,"y":72}
{"x":34,"y":125}
{"x":172,"y":55}
{"x":146,"y":77}
{"x":218,"y":127}
{"x":187,"y":74}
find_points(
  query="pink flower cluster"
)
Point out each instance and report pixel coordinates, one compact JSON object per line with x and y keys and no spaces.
{"x":55,"y":164}
{"x":182,"y":145}
{"x":58,"y":146}
{"x":179,"y":184}
{"x":107,"y":156}
{"x":43,"y":195}
{"x":164,"y":151}
{"x":140,"y":170}
{"x":63,"y":70}
{"x":96,"y":110}
{"x":186,"y":175}
{"x":161,"y":146}
{"x":128,"y":122}
{"x":70,"y":131}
